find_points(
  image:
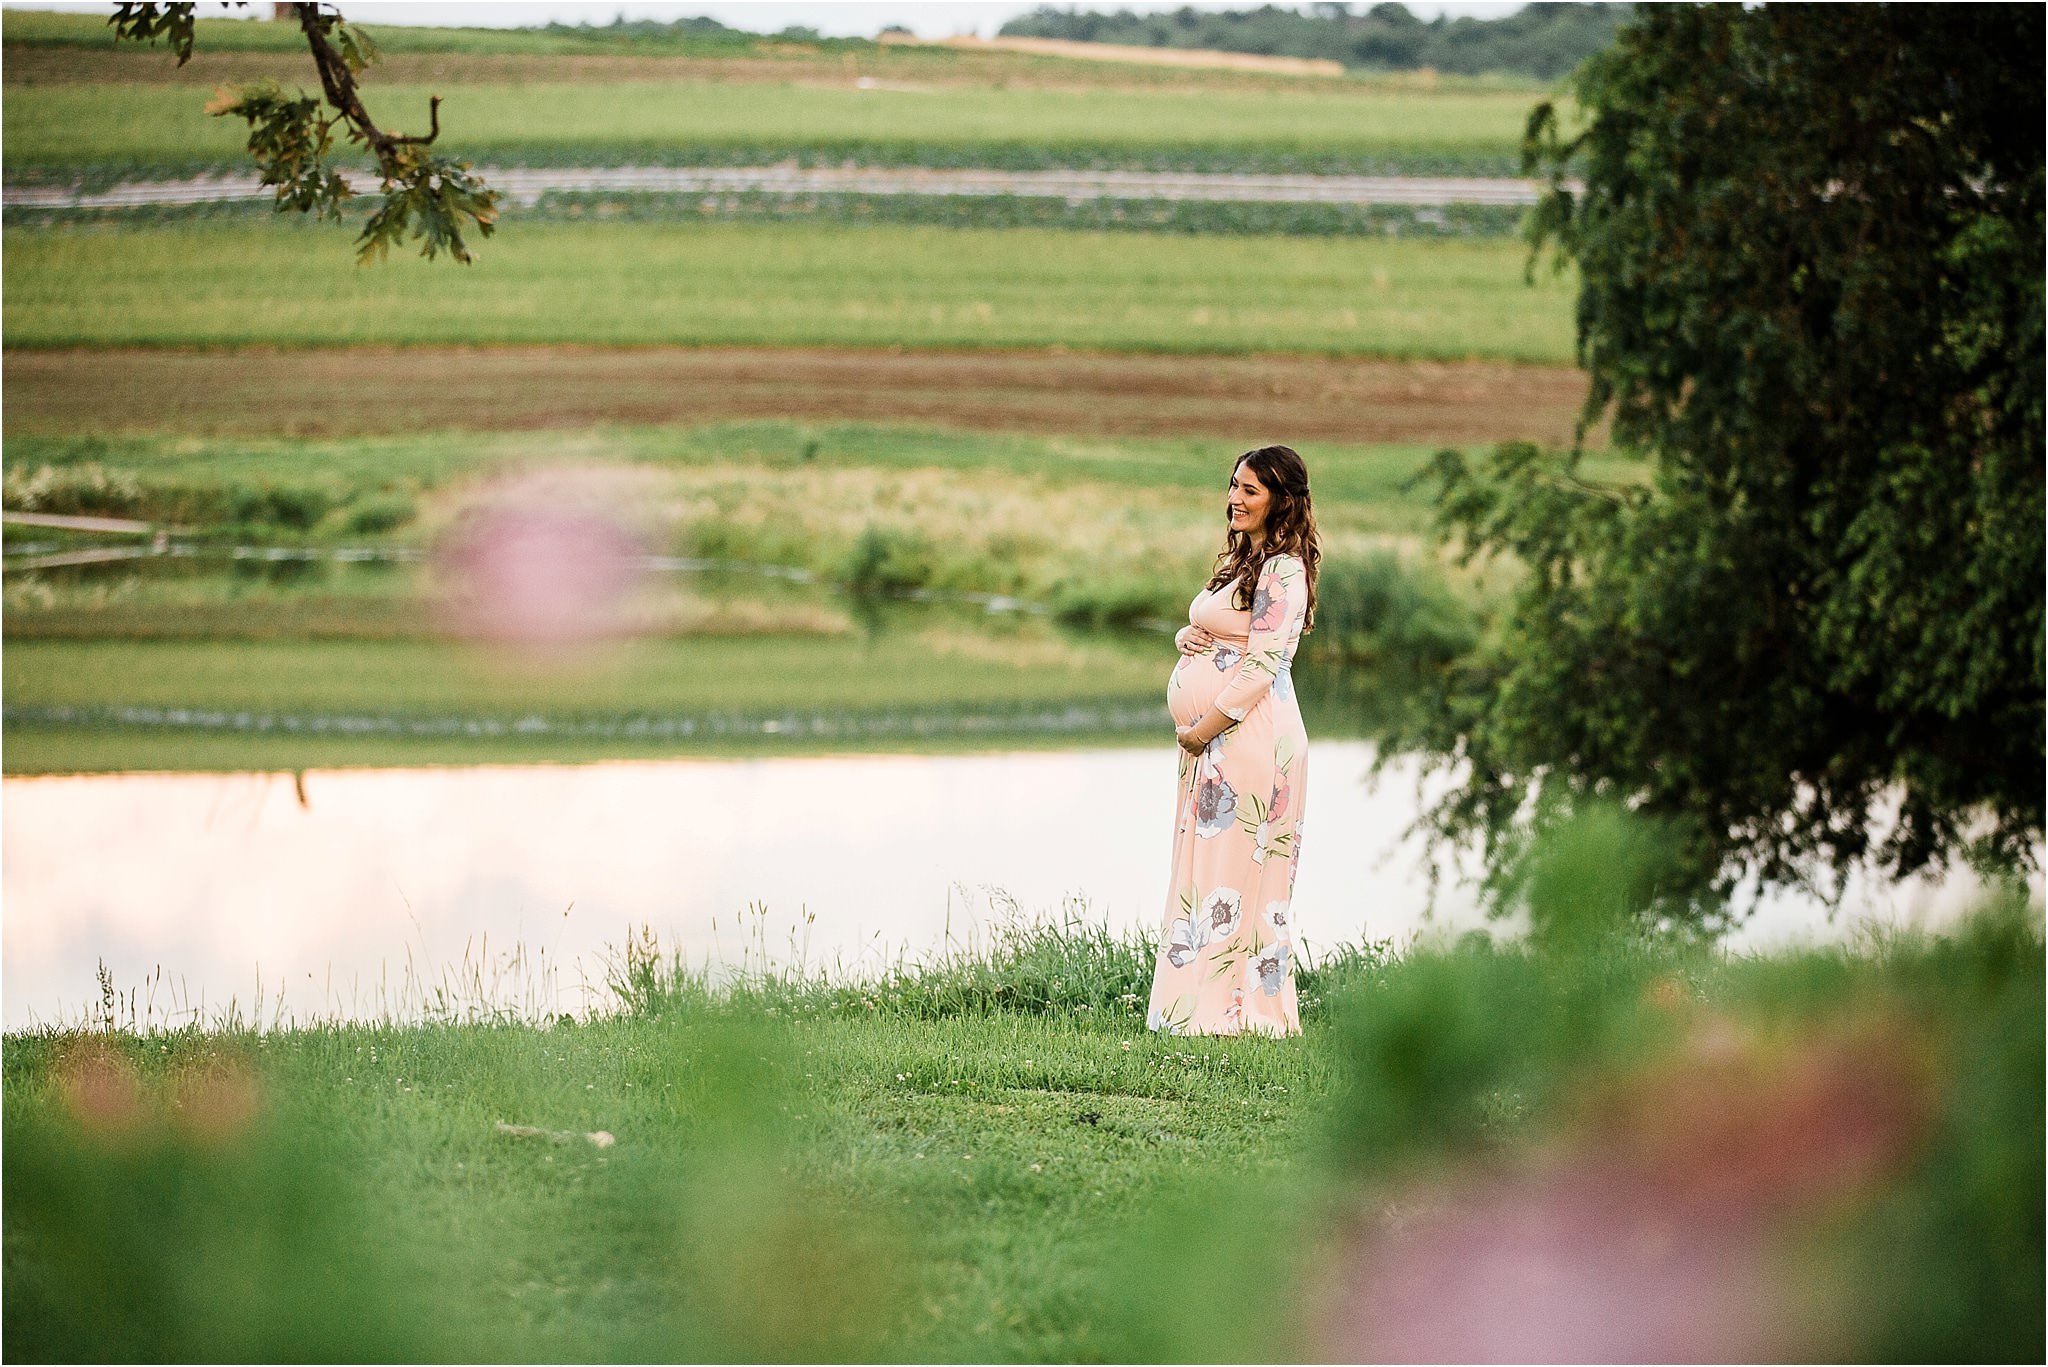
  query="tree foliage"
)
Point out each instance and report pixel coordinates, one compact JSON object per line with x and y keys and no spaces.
{"x":434,"y":199}
{"x":1809,"y":241}
{"x":1545,"y":40}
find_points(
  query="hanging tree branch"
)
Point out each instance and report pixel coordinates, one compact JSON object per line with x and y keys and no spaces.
{"x":427,"y":197}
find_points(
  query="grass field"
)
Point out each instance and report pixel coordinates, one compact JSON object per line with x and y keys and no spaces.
{"x":579,"y":124}
{"x":87,"y":36}
{"x":222,"y":701}
{"x":90,"y":31}
{"x":290,"y":284}
{"x":738,"y":674}
{"x":1087,"y":483}
{"x":988,"y":1159}
{"x":962,"y":1186}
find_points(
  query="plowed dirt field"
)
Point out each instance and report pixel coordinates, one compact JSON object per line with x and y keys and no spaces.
{"x":337,"y":392}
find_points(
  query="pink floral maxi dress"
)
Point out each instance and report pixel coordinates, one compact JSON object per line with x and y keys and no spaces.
{"x":1226,"y":953}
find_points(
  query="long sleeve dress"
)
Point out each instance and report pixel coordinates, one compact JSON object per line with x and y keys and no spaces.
{"x":1226,"y":953}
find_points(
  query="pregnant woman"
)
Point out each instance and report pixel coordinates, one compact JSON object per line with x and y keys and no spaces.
{"x":1226,"y":957}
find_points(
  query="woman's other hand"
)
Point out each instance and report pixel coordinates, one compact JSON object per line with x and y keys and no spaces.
{"x":1194,"y":640}
{"x":1189,"y":741}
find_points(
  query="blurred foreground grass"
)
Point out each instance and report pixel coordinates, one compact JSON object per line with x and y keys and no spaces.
{"x":1832,"y":1154}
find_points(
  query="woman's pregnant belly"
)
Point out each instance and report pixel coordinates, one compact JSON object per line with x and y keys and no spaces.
{"x":1196,"y":680}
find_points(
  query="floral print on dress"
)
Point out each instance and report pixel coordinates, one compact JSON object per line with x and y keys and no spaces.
{"x":1172,"y":1018}
{"x":1226,"y":953}
{"x":1276,"y":917}
{"x":1221,"y":910}
{"x":1283,"y":794}
{"x":1215,"y":806}
{"x":1266,"y":970}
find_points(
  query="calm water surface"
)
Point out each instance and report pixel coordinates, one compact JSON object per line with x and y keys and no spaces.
{"x":514,"y":883}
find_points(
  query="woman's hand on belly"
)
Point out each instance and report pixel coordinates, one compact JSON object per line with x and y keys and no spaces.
{"x":1194,"y":640}
{"x":1191,"y":690}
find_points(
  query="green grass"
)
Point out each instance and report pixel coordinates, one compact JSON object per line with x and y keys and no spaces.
{"x":725,"y":284}
{"x":1363,"y":486}
{"x":39,"y":750}
{"x":42,"y":28}
{"x":985,"y":1158}
{"x":970,"y":1215}
{"x":663,"y":123}
{"x":746,"y":675}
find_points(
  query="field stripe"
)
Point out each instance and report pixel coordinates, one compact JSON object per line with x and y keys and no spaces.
{"x":369,"y":390}
{"x":527,"y":185}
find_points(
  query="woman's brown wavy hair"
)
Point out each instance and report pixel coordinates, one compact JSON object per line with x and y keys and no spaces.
{"x":1290,"y":527}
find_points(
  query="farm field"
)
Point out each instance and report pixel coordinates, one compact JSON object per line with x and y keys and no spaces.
{"x":361,"y":391}
{"x":1362,"y":488}
{"x":84,"y":45}
{"x":289,"y":284}
{"x":150,"y":126}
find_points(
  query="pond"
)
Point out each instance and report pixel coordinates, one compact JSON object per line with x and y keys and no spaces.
{"x":765,"y":777}
{"x":361,"y":893}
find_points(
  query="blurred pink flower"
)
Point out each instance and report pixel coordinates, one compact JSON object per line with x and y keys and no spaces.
{"x":1660,"y":1229}
{"x":532,"y":569}
{"x":101,"y":1090}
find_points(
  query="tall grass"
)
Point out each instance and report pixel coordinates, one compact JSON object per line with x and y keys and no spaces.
{"x":1067,"y":963}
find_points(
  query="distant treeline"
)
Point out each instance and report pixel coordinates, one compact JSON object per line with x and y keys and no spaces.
{"x":700,"y":31}
{"x":1544,"y":40}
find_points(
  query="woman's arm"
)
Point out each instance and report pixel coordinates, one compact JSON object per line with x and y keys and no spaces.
{"x":1279,"y":605}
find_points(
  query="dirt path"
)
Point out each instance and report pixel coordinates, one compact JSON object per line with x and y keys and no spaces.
{"x":344,"y":391}
{"x":527,"y":185}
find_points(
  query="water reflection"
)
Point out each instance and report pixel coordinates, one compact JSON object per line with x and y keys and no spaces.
{"x":234,"y":885}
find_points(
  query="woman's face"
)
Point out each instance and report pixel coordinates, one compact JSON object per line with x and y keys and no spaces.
{"x":1249,"y":501}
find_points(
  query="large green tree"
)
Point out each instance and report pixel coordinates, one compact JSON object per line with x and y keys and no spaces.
{"x":1810,"y":245}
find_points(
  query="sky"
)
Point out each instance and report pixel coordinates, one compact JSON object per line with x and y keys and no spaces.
{"x":833,"y":18}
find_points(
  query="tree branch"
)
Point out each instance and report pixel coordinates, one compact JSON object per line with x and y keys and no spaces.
{"x":435,"y":200}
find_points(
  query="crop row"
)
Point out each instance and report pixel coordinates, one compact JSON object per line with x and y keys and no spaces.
{"x":68,"y":131}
